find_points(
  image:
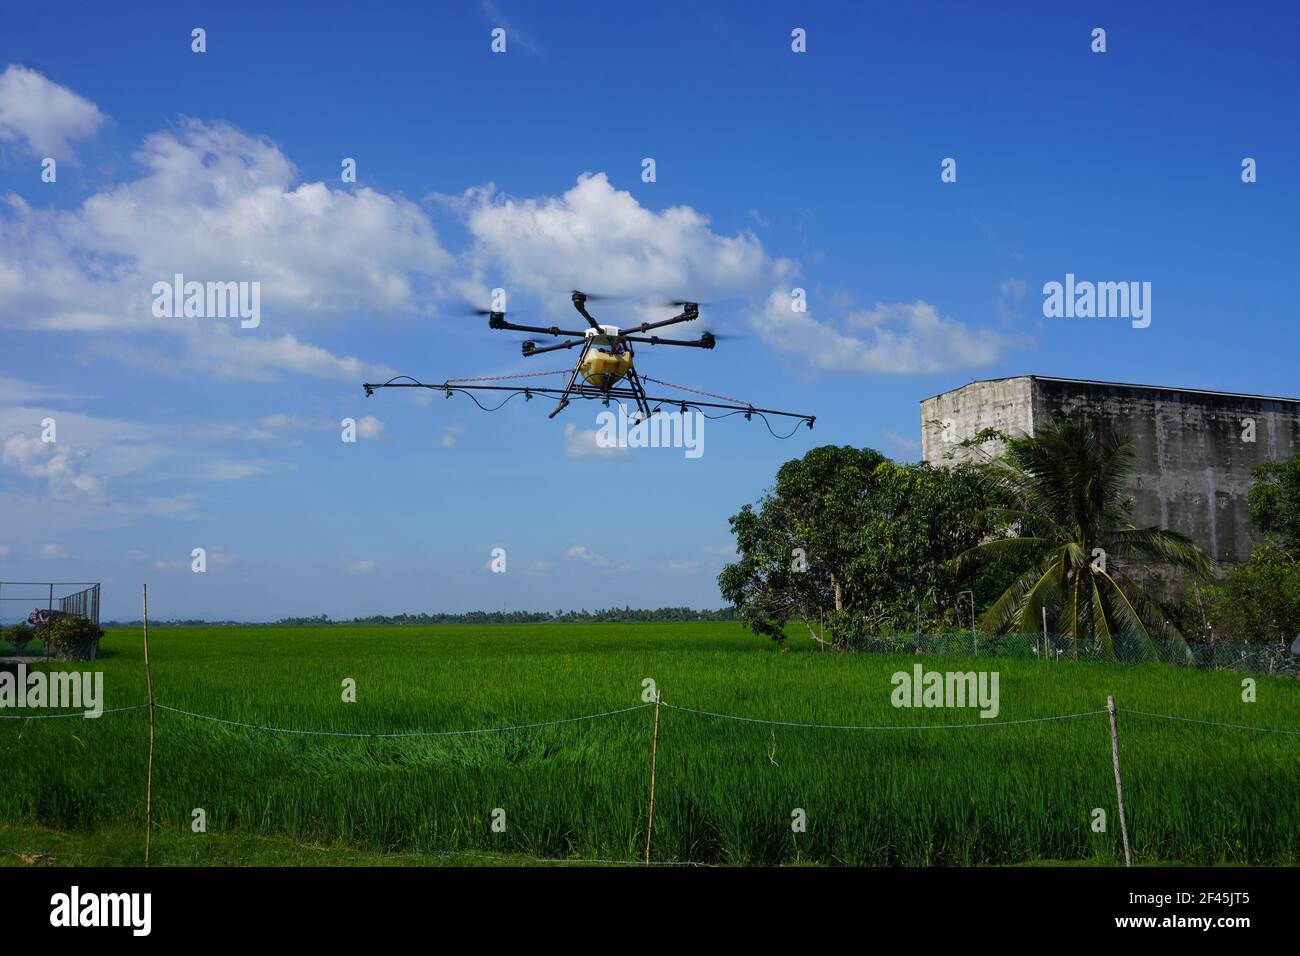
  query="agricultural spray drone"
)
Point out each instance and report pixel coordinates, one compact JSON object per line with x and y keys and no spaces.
{"x":605,"y":369}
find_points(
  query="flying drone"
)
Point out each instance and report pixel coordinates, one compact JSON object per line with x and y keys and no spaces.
{"x":605,"y":369}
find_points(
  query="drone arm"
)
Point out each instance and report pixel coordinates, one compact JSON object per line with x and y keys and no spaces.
{"x":580,"y":303}
{"x":536,"y":329}
{"x":705,"y":341}
{"x":687,"y":316}
{"x":554,"y":348}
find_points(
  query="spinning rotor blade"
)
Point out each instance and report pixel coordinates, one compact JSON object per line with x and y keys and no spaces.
{"x":597,"y":296}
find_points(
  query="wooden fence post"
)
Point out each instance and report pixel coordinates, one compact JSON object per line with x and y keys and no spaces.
{"x":148,"y":791}
{"x":1119,"y":785}
{"x":654,"y":758}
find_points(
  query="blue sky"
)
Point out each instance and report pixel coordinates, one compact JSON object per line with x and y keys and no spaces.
{"x":522,"y":170}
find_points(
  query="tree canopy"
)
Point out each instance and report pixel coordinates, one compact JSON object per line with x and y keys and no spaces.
{"x":856,"y":544}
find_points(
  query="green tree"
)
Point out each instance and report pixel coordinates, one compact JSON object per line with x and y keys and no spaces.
{"x":852,"y":539}
{"x":1069,"y":511}
{"x":1259,"y":601}
{"x":1275,"y":502}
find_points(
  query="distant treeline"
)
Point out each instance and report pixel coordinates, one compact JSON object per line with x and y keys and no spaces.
{"x":608,"y":615}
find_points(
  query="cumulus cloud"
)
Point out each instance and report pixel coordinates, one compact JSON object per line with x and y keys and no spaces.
{"x":217,"y":205}
{"x":53,"y":552}
{"x":584,"y":443}
{"x":902,"y":338}
{"x":42,"y":115}
{"x":363,"y":567}
{"x":600,"y":239}
{"x":62,"y":466}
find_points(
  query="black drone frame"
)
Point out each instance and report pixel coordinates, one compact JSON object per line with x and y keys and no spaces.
{"x":619,"y":343}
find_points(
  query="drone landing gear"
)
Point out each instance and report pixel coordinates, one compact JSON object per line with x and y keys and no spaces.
{"x":643,"y":407}
{"x":573,"y":377}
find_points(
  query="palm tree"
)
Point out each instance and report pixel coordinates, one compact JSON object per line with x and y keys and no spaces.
{"x":1064,"y":491}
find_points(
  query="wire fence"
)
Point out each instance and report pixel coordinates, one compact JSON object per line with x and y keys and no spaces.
{"x":47,"y":855}
{"x":1275,"y":659}
{"x":1047,"y":648}
{"x":50,"y":595}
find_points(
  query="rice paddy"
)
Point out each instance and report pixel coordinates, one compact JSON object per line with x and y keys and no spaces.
{"x":991,"y":791}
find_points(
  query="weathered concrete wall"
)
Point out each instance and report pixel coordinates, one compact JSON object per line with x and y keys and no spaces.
{"x":1193,"y":463}
{"x":946,"y":420}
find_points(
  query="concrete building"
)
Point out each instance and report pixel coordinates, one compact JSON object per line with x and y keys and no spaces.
{"x":1195,"y":449}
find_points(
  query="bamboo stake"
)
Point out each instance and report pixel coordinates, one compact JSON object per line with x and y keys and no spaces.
{"x":1119,"y":785}
{"x":654,"y":759}
{"x":148,"y":792}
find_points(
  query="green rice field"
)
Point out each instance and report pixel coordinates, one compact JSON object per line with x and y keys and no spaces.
{"x":944,"y":787}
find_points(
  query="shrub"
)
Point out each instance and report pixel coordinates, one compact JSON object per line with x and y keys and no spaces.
{"x":72,"y":637}
{"x":1259,"y":601}
{"x":20,"y":635}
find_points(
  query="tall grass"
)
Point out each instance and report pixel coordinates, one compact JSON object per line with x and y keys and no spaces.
{"x":726,"y":790}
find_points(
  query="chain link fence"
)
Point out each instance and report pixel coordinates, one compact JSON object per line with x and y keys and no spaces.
{"x":1276,"y":659}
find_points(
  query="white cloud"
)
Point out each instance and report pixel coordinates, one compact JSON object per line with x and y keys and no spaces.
{"x":21,"y":390}
{"x":368,"y":426}
{"x":600,"y":239}
{"x":214,"y":557}
{"x":229,"y":431}
{"x":100,"y":471}
{"x":364,"y":566}
{"x":902,"y":338}
{"x":680,"y":567}
{"x":5,"y":551}
{"x":43,"y":115}
{"x":62,"y":466}
{"x":53,"y":552}
{"x":584,"y":443}
{"x":450,"y":433}
{"x":581,"y":552}
{"x":216,"y":204}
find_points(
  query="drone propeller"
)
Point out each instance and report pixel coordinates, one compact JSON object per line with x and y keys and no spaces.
{"x":469,"y":310}
{"x":683,"y":303}
{"x":597,"y":296}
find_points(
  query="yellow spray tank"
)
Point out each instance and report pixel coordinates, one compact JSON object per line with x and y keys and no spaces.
{"x":601,"y":367}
